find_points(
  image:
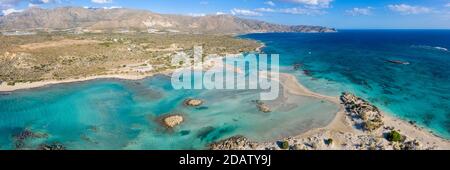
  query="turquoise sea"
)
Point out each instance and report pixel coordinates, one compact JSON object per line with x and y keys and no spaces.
{"x":122,"y":114}
{"x":358,"y":61}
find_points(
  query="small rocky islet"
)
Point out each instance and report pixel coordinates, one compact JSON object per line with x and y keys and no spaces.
{"x":193,"y":102}
{"x":171,"y":121}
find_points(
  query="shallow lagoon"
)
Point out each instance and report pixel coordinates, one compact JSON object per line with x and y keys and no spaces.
{"x":122,"y":114}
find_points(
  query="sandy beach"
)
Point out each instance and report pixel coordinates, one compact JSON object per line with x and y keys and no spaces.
{"x":19,"y":86}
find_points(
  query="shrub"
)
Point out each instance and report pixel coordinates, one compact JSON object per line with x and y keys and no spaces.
{"x":329,"y":141}
{"x":394,"y":136}
{"x":11,"y":83}
{"x":284,"y":145}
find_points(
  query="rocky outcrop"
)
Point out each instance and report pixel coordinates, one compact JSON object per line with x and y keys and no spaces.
{"x":367,"y":115}
{"x":412,"y":145}
{"x":263,"y":107}
{"x":193,"y":102}
{"x":52,"y":146}
{"x":233,"y":143}
{"x":171,"y":121}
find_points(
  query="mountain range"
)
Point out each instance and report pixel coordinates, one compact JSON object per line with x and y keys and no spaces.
{"x":122,"y":19}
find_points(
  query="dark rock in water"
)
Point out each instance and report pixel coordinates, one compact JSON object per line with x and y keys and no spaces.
{"x":385,"y":91}
{"x":307,"y":72}
{"x":210,"y":134}
{"x":202,"y":108}
{"x":185,"y":132}
{"x":53,"y":146}
{"x":26,"y":133}
{"x":297,"y":66}
{"x":427,"y":119}
{"x":398,"y":62}
{"x":204,"y":132}
{"x":20,"y":138}
{"x":4,"y":93}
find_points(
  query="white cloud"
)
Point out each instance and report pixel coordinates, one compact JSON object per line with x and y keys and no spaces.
{"x":270,"y":3}
{"x":245,"y":12}
{"x":197,"y":14}
{"x":35,"y":3}
{"x":6,"y":4}
{"x":106,"y":7}
{"x":408,"y":9}
{"x":294,"y":11}
{"x":447,"y":5}
{"x":30,"y":5}
{"x":302,"y":11}
{"x":10,"y":11}
{"x":360,"y":11}
{"x":101,"y":1}
{"x":315,"y":3}
{"x":265,"y":10}
{"x":112,"y":7}
{"x":221,"y":13}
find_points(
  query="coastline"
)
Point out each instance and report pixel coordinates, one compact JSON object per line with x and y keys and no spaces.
{"x":22,"y":86}
{"x":4,"y":87}
{"x":339,"y":129}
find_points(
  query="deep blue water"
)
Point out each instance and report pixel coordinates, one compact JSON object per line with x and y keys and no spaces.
{"x":356,"y":61}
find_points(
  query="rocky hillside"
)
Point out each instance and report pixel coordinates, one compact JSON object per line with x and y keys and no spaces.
{"x":97,"y":20}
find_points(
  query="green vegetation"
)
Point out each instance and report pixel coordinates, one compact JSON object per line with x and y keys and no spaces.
{"x":329,"y":141}
{"x":284,"y":145}
{"x":394,"y":136}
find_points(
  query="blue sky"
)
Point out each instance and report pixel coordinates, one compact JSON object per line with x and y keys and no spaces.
{"x":348,"y":14}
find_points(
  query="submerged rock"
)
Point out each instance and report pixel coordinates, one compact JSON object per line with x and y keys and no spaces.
{"x":20,"y":138}
{"x":398,"y":62}
{"x":193,"y":102}
{"x":263,"y":107}
{"x":53,"y":146}
{"x":172,"y":120}
{"x":297,"y":66}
